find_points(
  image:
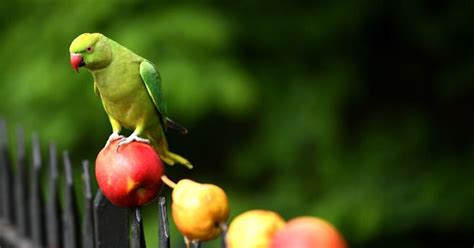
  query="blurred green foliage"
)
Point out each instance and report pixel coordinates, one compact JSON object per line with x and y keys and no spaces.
{"x":355,"y":111}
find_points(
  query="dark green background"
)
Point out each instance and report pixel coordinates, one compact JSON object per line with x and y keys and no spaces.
{"x":360,"y":112}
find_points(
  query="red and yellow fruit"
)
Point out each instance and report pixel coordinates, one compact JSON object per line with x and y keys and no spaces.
{"x":308,"y":232}
{"x":130,"y":176}
{"x":254,"y":229}
{"x":199,"y":210}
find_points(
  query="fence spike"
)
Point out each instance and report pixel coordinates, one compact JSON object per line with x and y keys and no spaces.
{"x":107,"y":215}
{"x":88,"y":238}
{"x":36,"y":148}
{"x":137,"y":239}
{"x":20,"y":182}
{"x":36,"y":198}
{"x":2,"y":214}
{"x":164,"y":233}
{"x":224,"y":235}
{"x":6,"y":173}
{"x":53,"y":212}
{"x":71,"y":216}
{"x":3,"y":133}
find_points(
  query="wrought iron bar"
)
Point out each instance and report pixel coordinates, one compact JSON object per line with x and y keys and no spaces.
{"x":7,"y":200}
{"x":20,"y":184}
{"x":88,"y":239}
{"x":53,"y":211}
{"x":137,"y":239}
{"x":111,"y":223}
{"x":70,"y":215}
{"x":164,"y":232}
{"x":224,"y":236}
{"x":36,"y":197}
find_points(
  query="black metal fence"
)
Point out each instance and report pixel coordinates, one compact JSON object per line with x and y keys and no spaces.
{"x":28,"y":219}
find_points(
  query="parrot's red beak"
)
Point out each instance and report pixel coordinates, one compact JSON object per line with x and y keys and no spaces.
{"x":76,"y":61}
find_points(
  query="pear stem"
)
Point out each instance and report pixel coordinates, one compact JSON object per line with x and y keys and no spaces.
{"x":168,"y":181}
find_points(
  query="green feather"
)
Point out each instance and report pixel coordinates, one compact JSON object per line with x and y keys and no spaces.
{"x":151,"y":79}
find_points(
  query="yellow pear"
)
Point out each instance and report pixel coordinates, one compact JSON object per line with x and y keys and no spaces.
{"x":199,"y":211}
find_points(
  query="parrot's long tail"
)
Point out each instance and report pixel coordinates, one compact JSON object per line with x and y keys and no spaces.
{"x":161,"y":146}
{"x":175,"y":126}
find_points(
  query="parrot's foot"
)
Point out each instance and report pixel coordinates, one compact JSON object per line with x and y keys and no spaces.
{"x":130,"y":139}
{"x":113,"y":137}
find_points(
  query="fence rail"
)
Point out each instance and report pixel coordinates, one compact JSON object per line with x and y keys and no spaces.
{"x":28,"y":219}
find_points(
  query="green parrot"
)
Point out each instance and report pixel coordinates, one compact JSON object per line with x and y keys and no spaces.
{"x":130,"y":89}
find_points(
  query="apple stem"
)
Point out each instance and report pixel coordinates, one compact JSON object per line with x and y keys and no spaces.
{"x":168,"y":181}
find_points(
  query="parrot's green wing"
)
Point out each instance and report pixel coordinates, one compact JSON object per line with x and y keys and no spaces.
{"x":151,"y":79}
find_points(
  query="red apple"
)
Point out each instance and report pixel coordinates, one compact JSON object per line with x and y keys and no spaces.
{"x":130,"y":176}
{"x":308,"y":232}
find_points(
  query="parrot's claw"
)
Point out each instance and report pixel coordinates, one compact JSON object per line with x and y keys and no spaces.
{"x":130,"y":139}
{"x":113,"y":137}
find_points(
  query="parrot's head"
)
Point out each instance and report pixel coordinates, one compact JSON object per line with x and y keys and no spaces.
{"x":93,"y":51}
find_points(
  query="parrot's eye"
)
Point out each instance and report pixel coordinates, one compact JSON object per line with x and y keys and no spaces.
{"x":89,"y":49}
